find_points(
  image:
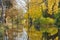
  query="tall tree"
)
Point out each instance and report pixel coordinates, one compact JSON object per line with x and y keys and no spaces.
{"x":57,"y":23}
{"x":3,"y":11}
{"x":59,"y":4}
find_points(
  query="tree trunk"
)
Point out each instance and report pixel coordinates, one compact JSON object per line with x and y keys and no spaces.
{"x":3,"y":11}
{"x":59,"y":5}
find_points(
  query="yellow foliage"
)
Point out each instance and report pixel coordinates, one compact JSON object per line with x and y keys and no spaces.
{"x":35,"y":11}
{"x":34,"y":33}
{"x":56,"y":6}
{"x":50,"y":5}
{"x":11,"y":12}
{"x":37,"y":1}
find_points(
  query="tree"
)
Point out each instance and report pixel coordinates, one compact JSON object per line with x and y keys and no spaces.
{"x":37,"y":24}
{"x":4,"y":4}
{"x":59,"y":5}
{"x":30,"y":22}
{"x":8,"y":3}
{"x":57,"y":23}
{"x":3,"y":11}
